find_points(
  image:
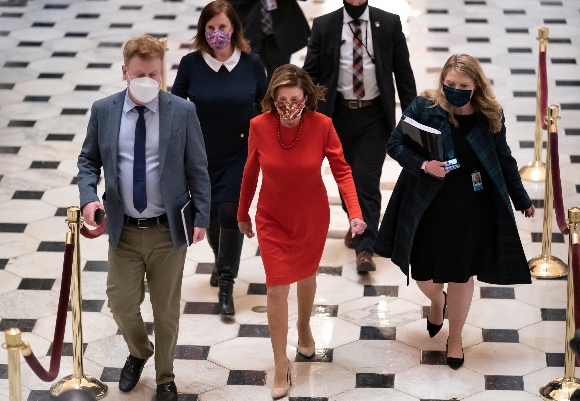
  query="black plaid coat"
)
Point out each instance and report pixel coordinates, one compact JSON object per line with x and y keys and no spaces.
{"x":415,"y":190}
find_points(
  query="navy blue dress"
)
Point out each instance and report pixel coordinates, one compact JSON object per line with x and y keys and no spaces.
{"x":226,"y":101}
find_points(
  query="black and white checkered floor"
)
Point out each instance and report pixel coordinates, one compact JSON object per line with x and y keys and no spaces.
{"x":59,"y":56}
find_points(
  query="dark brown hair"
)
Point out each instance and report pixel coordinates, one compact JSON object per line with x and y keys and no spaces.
{"x":293,"y":76}
{"x":211,"y":10}
{"x":483,"y":99}
{"x":145,"y":47}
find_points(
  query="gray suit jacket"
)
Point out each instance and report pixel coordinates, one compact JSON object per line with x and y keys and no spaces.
{"x":182,"y":163}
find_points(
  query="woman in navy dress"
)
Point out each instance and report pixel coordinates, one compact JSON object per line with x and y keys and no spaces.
{"x":226,"y":82}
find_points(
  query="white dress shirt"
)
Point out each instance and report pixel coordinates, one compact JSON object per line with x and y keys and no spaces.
{"x":155,"y":206}
{"x":229,"y":63}
{"x":345,"y":66}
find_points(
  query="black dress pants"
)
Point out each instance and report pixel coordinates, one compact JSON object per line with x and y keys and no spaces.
{"x":272,"y":56}
{"x":364,"y":134}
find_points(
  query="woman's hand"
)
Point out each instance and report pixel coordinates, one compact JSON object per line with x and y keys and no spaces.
{"x":436,"y":168}
{"x":529,"y":212}
{"x":246,"y":228}
{"x":357,"y":226}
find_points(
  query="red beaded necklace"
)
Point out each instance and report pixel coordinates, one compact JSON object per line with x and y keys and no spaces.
{"x":297,"y":136}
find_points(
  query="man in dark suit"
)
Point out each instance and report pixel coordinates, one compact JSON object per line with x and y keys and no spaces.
{"x":150,"y":146}
{"x":275,"y":29}
{"x":354,"y":52}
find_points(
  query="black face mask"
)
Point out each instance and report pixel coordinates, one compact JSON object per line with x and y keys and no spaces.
{"x":355,"y":11}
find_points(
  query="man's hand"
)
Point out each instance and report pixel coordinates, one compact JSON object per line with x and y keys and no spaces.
{"x":198,"y":234}
{"x":89,"y":210}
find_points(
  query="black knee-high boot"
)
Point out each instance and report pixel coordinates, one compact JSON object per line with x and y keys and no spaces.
{"x":213,"y":237}
{"x":228,"y":264}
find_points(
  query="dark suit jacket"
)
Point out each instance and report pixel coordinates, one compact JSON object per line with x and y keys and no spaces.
{"x":182,"y":163}
{"x":390,"y":52}
{"x":290,"y":26}
{"x":415,"y":191}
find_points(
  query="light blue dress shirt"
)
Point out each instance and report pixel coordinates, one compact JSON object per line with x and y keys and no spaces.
{"x":155,"y":206}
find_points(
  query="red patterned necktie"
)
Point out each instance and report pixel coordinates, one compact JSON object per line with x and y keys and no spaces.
{"x":358,"y":86}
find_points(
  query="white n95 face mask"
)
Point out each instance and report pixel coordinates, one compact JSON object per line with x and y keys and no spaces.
{"x":144,"y":89}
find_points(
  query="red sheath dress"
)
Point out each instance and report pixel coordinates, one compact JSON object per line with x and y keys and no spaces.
{"x":293,"y":215}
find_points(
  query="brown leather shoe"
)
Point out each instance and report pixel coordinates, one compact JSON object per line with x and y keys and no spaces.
{"x":348,"y":240}
{"x":364,"y":262}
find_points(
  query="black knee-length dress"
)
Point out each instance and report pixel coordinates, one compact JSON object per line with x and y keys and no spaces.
{"x":454,"y":238}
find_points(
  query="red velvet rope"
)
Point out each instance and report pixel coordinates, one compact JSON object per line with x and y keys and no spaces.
{"x":90,"y":234}
{"x":561,"y":220}
{"x":557,"y":184}
{"x":543,"y":88}
{"x":56,"y":354}
{"x":576,"y":274}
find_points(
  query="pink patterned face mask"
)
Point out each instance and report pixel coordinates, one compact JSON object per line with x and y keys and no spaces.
{"x":290,"y":110}
{"x":218,"y":40}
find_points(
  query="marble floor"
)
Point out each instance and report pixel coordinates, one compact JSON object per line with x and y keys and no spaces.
{"x":58,"y":56}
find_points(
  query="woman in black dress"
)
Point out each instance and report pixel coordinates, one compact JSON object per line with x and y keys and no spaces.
{"x":226,"y":82}
{"x":451,"y":225}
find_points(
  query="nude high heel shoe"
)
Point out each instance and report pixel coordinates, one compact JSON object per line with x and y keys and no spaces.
{"x":278,"y":392}
{"x":307,"y":352}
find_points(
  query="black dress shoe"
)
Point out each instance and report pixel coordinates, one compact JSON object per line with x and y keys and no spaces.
{"x":167,"y":392}
{"x":131,"y":373}
{"x":454,"y":363}
{"x":213,"y":279}
{"x":433,"y":329}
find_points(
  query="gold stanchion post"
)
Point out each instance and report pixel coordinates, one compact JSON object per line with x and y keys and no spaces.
{"x":13,"y":345}
{"x":546,"y":265}
{"x":78,"y":380}
{"x":163,"y":42}
{"x":536,"y":170}
{"x":562,"y":388}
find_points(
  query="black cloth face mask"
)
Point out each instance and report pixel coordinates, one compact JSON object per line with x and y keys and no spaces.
{"x":355,"y":11}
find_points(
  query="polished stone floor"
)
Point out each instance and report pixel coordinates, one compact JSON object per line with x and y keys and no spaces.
{"x":58,"y":56}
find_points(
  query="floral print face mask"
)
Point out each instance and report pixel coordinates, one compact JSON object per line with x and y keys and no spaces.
{"x":218,"y":40}
{"x":290,"y":110}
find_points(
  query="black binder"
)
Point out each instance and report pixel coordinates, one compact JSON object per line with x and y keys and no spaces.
{"x":423,"y":140}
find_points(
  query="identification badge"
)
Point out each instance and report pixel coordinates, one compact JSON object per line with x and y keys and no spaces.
{"x":476,"y":181}
{"x":451,"y":165}
{"x":270,"y":5}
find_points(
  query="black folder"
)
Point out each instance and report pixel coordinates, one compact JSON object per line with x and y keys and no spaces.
{"x":423,"y":140}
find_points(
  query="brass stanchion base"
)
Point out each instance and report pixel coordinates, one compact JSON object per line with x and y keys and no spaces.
{"x":560,"y":389}
{"x":533,"y":172}
{"x":87,"y":383}
{"x":547,"y":267}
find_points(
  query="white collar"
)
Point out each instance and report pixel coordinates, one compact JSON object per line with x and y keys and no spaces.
{"x":347,"y":18}
{"x":229,"y":63}
{"x":129,"y":104}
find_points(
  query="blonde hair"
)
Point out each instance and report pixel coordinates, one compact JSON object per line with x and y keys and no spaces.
{"x":290,"y":75}
{"x":145,"y":47}
{"x":483,"y":99}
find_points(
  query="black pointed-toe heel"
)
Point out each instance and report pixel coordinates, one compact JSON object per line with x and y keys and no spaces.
{"x":433,"y":329}
{"x":454,"y":363}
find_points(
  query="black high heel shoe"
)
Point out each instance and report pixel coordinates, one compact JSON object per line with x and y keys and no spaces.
{"x":433,"y":329}
{"x":454,"y":363}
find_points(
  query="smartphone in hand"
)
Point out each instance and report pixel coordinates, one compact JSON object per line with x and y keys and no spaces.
{"x":99,"y":215}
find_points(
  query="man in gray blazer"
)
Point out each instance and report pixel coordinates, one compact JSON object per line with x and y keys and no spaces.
{"x":150,"y":145}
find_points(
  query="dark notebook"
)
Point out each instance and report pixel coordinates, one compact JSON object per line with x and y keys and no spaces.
{"x":423,"y":140}
{"x":187,"y":214}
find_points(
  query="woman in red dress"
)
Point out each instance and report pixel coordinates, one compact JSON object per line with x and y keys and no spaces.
{"x":288,"y":142}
